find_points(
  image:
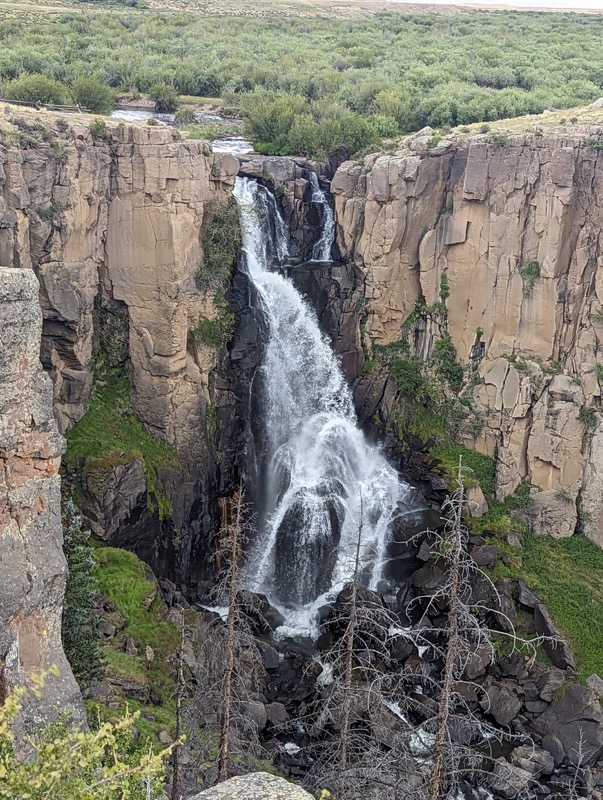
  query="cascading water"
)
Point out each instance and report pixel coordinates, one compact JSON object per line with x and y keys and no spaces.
{"x":322,"y":249}
{"x":322,"y":481}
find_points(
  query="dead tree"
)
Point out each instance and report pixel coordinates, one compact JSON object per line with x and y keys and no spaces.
{"x":222,"y":732}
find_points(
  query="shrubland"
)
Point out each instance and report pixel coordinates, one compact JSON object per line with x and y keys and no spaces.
{"x":310,"y":85}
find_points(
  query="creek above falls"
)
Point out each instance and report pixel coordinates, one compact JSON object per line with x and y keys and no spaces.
{"x":322,"y":488}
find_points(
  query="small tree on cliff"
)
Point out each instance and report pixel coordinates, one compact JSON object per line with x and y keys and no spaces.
{"x":80,"y":632}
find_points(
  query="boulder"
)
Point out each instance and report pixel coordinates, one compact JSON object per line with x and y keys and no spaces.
{"x":276,"y":713}
{"x":575,"y":717}
{"x":552,"y":744}
{"x":485,"y":555}
{"x":501,"y":704}
{"x":508,"y":780}
{"x":255,"y":786}
{"x":478,"y":661}
{"x":557,"y":648}
{"x":549,"y":683}
{"x":257,"y":712}
{"x":534,"y":760}
{"x":525,"y":595}
{"x":595,"y":683}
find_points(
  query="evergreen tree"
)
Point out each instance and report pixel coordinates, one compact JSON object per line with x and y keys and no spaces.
{"x":80,"y":626}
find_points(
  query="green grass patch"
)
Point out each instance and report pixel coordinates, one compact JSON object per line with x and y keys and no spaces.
{"x":478,"y":468}
{"x":123,"y":578}
{"x":567,"y":575}
{"x":110,"y":434}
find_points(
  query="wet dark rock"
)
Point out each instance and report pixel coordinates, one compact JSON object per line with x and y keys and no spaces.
{"x":558,"y":650}
{"x":263,"y":617}
{"x":269,"y":655}
{"x":428,"y":577}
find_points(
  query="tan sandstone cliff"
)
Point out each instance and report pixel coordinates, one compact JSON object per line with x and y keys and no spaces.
{"x":480,"y":212}
{"x":32,"y":565}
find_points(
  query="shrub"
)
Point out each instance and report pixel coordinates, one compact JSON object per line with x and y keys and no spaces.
{"x":221,"y":236}
{"x":66,"y":762}
{"x":185,"y":116}
{"x":36,"y":89}
{"x":165,"y":97}
{"x":448,"y":367}
{"x":529,"y":274}
{"x":80,"y":632}
{"x":91,"y":93}
{"x":98,"y":130}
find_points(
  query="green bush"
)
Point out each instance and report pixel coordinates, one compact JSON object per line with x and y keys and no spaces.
{"x":221,"y":238}
{"x":447,"y":365}
{"x":91,"y":93}
{"x":80,"y":633}
{"x":185,"y":116}
{"x":36,"y":89}
{"x":67,"y":763}
{"x":165,"y":97}
{"x":529,"y":274}
{"x":211,"y":332}
{"x":98,"y":130}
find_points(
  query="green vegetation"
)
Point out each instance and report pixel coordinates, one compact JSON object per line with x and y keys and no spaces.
{"x":123,"y":578}
{"x":212,"y":332}
{"x":529,"y":274}
{"x":309,"y":80}
{"x":164,"y":96}
{"x":90,"y":92}
{"x":80,"y":632}
{"x":36,"y":88}
{"x":448,"y":368}
{"x":101,"y":764}
{"x":98,"y":130}
{"x":221,"y":236}
{"x":588,"y":417}
{"x":480,"y":469}
{"x":110,"y":434}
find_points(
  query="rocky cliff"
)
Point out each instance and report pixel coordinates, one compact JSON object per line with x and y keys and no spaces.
{"x":493,"y":244}
{"x":32,"y":565}
{"x":110,"y":221}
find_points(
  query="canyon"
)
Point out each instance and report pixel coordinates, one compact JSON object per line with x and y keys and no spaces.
{"x":490,"y":244}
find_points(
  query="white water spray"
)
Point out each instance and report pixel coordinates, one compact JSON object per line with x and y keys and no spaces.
{"x":322,"y":249}
{"x":323,"y":479}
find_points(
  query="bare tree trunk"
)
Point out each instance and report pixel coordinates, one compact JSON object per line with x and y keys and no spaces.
{"x":452,"y":644}
{"x":234,"y":534}
{"x":349,"y":652}
{"x":175,"y":794}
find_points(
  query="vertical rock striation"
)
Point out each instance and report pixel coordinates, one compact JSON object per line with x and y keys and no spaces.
{"x":32,"y":565}
{"x":511,"y":229}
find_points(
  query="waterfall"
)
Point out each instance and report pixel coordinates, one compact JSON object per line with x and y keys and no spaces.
{"x":322,"y":249}
{"x":321,"y":478}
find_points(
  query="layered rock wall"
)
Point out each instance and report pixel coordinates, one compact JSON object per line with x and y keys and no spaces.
{"x":507,"y":235}
{"x":32,"y":565}
{"x":112,"y":228}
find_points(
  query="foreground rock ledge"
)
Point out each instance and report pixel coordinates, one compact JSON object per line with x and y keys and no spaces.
{"x":257,"y":786}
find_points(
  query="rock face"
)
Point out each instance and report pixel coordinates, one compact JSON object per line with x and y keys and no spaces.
{"x":505,"y":235}
{"x":32,"y":565}
{"x":256,"y":786}
{"x":112,"y":229}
